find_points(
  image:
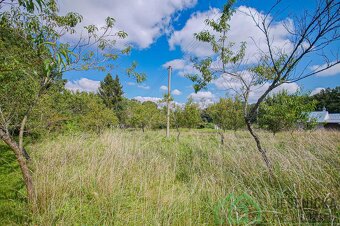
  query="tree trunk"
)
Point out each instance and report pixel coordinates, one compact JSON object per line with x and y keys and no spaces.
{"x":25,"y":153}
{"x":21,"y":138}
{"x":248,"y":116}
{"x":259,"y":147}
{"x":23,"y":165}
{"x":178,"y":133}
{"x":222,"y":137}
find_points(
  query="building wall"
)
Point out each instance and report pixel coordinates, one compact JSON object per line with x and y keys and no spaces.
{"x":334,"y":126}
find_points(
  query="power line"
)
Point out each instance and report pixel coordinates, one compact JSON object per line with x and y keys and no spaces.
{"x":194,"y":42}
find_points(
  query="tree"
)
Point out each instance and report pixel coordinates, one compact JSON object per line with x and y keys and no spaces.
{"x":142,"y":115}
{"x":312,"y":34}
{"x":29,"y":5}
{"x":328,"y":98}
{"x":123,"y":111}
{"x":95,"y":116}
{"x":227,"y":115}
{"x":40,"y":57}
{"x":63,"y":110}
{"x":191,"y":116}
{"x":111,"y":91}
{"x":176,"y":116}
{"x":17,"y":92}
{"x":52,"y":112}
{"x":284,"y":112}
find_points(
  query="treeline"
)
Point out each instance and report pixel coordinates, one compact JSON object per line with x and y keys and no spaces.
{"x":328,"y":98}
{"x":61,"y":110}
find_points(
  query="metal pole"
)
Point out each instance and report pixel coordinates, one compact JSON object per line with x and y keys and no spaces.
{"x":168,"y":103}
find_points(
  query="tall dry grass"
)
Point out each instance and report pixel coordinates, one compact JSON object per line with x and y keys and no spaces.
{"x":135,"y":178}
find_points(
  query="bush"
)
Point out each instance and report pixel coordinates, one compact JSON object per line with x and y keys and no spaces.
{"x":285,"y":112}
{"x":66,"y":111}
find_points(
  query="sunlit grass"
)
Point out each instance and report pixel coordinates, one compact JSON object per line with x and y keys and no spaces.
{"x":135,"y":178}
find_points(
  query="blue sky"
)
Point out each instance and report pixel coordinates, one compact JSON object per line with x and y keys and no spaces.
{"x":161,"y":32}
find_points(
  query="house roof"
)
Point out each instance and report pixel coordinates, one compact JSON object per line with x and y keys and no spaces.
{"x":324,"y":117}
{"x":334,"y":118}
{"x":319,"y":116}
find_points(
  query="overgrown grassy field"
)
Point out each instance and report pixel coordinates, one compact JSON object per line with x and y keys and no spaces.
{"x":135,"y":178}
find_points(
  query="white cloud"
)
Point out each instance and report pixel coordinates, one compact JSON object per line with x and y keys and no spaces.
{"x":183,"y":66}
{"x":143,"y":20}
{"x":335,"y":70}
{"x":258,"y":91}
{"x":158,"y":101}
{"x":176,"y":92}
{"x":226,"y":82}
{"x":84,"y":84}
{"x":234,"y":86}
{"x":202,"y":95}
{"x":242,"y":28}
{"x":185,"y":37}
{"x":175,"y":104}
{"x":289,"y":87}
{"x":316,"y":91}
{"x":143,"y":87}
{"x":164,"y":88}
{"x":144,"y":99}
{"x":203,"y":98}
{"x":176,"y":64}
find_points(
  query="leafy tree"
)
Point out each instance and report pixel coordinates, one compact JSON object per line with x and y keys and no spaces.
{"x":17,"y":91}
{"x":328,"y":98}
{"x":96,"y":116}
{"x":220,"y":46}
{"x":51,"y":113}
{"x":206,"y":117}
{"x":191,"y":116}
{"x":227,"y":114}
{"x":159,"y":118}
{"x":29,"y":5}
{"x":63,"y":110}
{"x":285,"y":112}
{"x":142,"y":115}
{"x":40,"y":57}
{"x":176,"y":116}
{"x":123,"y":112}
{"x":111,"y":91}
{"x":20,"y":89}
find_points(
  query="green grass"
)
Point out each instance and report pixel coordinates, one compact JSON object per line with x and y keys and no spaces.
{"x":13,"y":205}
{"x":135,"y":178}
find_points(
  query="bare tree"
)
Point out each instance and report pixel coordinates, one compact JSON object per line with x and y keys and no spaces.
{"x":312,"y":34}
